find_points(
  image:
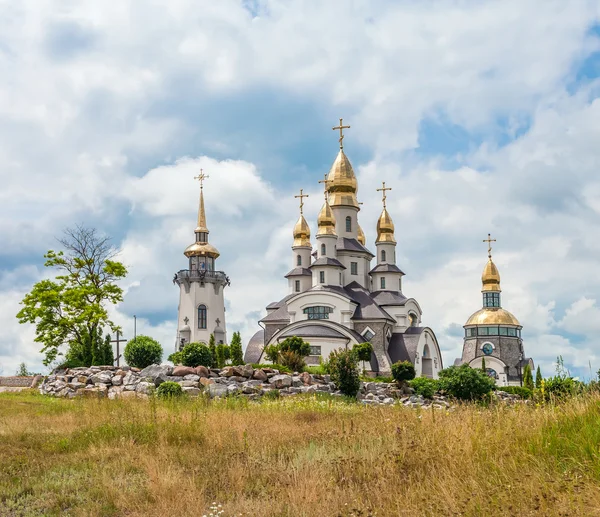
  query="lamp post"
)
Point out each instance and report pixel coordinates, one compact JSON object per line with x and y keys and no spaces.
{"x":134,"y":328}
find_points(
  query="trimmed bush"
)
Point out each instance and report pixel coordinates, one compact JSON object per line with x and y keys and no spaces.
{"x":344,"y":372}
{"x":363,"y":351}
{"x":425,"y":387}
{"x":169,"y":390}
{"x":142,"y":352}
{"x":403,"y":371}
{"x":465,"y":383}
{"x":175,"y":358}
{"x":196,"y":354}
{"x":522,"y":391}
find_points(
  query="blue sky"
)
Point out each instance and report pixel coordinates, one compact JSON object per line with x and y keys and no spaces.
{"x":481,"y":115}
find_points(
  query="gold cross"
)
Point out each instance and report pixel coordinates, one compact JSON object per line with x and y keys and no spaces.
{"x":384,"y":189}
{"x":301,"y":196}
{"x":489,"y":240}
{"x":201,"y":177}
{"x":326,"y":181}
{"x":341,"y":127}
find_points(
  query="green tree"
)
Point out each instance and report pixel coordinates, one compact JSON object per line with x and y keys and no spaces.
{"x":465,"y":383}
{"x":220,"y":353}
{"x":272,"y":353}
{"x":538,"y":378}
{"x":176,"y":358}
{"x":237,"y":354}
{"x":196,"y":354}
{"x":292,"y":351}
{"x":92,"y":349}
{"x":143,"y":351}
{"x":527,"y":377}
{"x":343,"y":365}
{"x":75,"y":302}
{"x":363,"y":352}
{"x":483,"y":368}
{"x":213,"y":351}
{"x":403,"y":371}
{"x":23,"y":371}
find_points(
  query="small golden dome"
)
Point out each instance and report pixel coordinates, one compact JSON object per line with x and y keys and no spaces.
{"x":490,"y":277}
{"x":341,"y":183}
{"x":201,"y":249}
{"x":326,"y":221}
{"x":301,"y":233}
{"x":361,"y":236}
{"x":385,"y":228}
{"x":492,"y":316}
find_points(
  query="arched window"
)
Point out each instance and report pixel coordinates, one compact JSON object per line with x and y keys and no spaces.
{"x":383,"y":255}
{"x":299,"y":260}
{"x":202,"y":316}
{"x":348,"y":224}
{"x":412,"y":317}
{"x":323,"y":249}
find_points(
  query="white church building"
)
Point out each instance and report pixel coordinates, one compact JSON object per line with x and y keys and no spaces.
{"x":336,"y":299}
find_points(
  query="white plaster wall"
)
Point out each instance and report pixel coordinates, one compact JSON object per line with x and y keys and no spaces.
{"x":496,"y":364}
{"x":341,"y":212}
{"x":305,"y":253}
{"x":392,"y":281}
{"x":428,"y":338}
{"x":332,"y":275}
{"x":363,"y":268}
{"x":188,"y":306}
{"x":390,"y":253}
{"x":343,"y":309}
{"x":330,"y":242}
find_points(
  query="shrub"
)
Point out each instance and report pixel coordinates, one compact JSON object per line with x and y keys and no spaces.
{"x":293,"y":360}
{"x":403,"y":371}
{"x":425,"y":387}
{"x":295,"y":344}
{"x":169,"y":390}
{"x":220,"y":355}
{"x":213,"y":350}
{"x":559,"y":387}
{"x":196,"y":354}
{"x":237,"y":354}
{"x":142,"y":352}
{"x":290,"y":352}
{"x":363,"y":351}
{"x":175,"y":358}
{"x":274,"y":366}
{"x":465,"y":383}
{"x":522,"y":391}
{"x":528,"y":378}
{"x":344,"y":372}
{"x":538,"y":378}
{"x":272,"y":353}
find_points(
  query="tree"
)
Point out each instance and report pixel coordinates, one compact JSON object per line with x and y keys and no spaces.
{"x":75,"y":302}
{"x":143,"y":351}
{"x":363,"y":352}
{"x":272,"y":353}
{"x":343,"y":365}
{"x":213,"y":351}
{"x":527,"y":377}
{"x":220,"y":353}
{"x":292,"y":351}
{"x":93,"y":349}
{"x":23,"y":371}
{"x":483,"y":368}
{"x":237,"y":354}
{"x":538,"y":378}
{"x":196,"y":354}
{"x":465,"y":383}
{"x":403,"y":371}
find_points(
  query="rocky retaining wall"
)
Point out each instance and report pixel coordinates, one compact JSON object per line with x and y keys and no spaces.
{"x":30,"y":381}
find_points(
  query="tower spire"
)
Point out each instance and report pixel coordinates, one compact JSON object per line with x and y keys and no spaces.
{"x":201,"y":213}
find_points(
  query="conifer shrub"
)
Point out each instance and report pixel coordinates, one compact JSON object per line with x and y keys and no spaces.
{"x":465,"y":383}
{"x":345,"y":375}
{"x":237,"y":354}
{"x":538,"y":378}
{"x":220,"y":353}
{"x":425,"y":387}
{"x":169,"y":390}
{"x":403,"y":371}
{"x":143,"y":351}
{"x":528,"y":378}
{"x":196,"y":354}
{"x":213,"y":351}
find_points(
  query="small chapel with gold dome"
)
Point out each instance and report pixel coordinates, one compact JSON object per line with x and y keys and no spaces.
{"x":493,"y":335}
{"x":335,"y":298}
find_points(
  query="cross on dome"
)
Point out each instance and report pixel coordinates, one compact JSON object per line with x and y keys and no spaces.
{"x":301,"y":196}
{"x":326,"y":182}
{"x":383,"y":190}
{"x":489,"y":240}
{"x":341,"y":127}
{"x":201,"y":177}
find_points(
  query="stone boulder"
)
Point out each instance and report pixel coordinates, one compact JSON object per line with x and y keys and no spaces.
{"x":228,"y":371}
{"x":154,"y":370}
{"x":102,"y":378}
{"x":181,"y":371}
{"x":217,"y":390}
{"x":205,"y":381}
{"x":281,"y":381}
{"x":259,"y":375}
{"x":202,"y":371}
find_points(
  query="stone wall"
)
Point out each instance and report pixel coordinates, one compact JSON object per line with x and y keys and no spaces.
{"x":30,"y":381}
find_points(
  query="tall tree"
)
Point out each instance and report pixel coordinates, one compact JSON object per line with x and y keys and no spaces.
{"x":72,"y":308}
{"x":213,"y":350}
{"x":527,"y":377}
{"x":237,"y":354}
{"x":538,"y":378}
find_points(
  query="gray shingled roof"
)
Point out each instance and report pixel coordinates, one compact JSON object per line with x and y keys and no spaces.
{"x":325,"y":261}
{"x":386,"y":268}
{"x":383,"y":298}
{"x":367,"y":308}
{"x":280,"y":314}
{"x":345,"y":244}
{"x":280,"y":303}
{"x":299,"y":271}
{"x":255,"y":347}
{"x":403,"y":347}
{"x":313,"y":330}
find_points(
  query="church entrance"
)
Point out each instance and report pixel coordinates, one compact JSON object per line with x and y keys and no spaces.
{"x":427,"y":363}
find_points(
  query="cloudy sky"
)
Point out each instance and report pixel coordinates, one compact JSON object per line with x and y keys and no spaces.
{"x":482,"y":115}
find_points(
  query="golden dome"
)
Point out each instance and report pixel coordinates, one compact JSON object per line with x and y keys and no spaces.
{"x":341,"y":182}
{"x":201,"y":249}
{"x":492,"y":316}
{"x":385,"y":228}
{"x":361,"y":236}
{"x":326,"y":221}
{"x":490,"y":277}
{"x":301,"y":233}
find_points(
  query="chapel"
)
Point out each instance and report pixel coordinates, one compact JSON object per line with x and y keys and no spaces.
{"x":201,"y":288}
{"x":493,"y":335}
{"x":335,"y":298}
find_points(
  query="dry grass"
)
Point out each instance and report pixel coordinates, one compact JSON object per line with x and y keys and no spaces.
{"x":295,"y":457}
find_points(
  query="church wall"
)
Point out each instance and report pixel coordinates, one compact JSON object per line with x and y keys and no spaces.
{"x":341,"y":212}
{"x":495,"y":364}
{"x":428,"y":341}
{"x":390,"y":253}
{"x":305,"y":254}
{"x":343,"y":309}
{"x":506,"y":349}
{"x":379,"y":342}
{"x":305,"y":283}
{"x":362,"y":276}
{"x":332,"y":275}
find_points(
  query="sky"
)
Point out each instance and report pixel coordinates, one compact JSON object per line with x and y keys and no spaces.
{"x":482,"y":115}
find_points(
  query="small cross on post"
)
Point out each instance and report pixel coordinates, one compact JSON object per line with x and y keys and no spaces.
{"x":301,"y":196}
{"x":341,"y":127}
{"x":118,"y":341}
{"x":384,"y":189}
{"x":326,"y":182}
{"x":489,"y":240}
{"x":201,"y":177}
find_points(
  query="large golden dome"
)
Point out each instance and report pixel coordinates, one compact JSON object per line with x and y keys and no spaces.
{"x":385,"y":228}
{"x":490,"y":277}
{"x":492,"y":316}
{"x":302,"y":233}
{"x":326,"y":221}
{"x":201,"y":249}
{"x":342,"y":185}
{"x":361,"y":236}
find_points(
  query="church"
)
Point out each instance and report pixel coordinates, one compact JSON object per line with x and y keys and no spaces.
{"x":335,"y":298}
{"x":493,"y":335}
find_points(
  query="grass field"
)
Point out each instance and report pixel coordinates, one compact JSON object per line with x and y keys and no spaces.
{"x":295,"y":457}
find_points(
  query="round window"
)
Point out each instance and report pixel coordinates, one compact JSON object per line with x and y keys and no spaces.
{"x":487,"y":348}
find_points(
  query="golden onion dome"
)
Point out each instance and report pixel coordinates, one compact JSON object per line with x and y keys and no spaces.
{"x":385,"y":228}
{"x":302,"y":233}
{"x":361,"y":236}
{"x":492,"y":316}
{"x":490,"y":277}
{"x":342,"y":185}
{"x":326,"y":221}
{"x":201,"y":249}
